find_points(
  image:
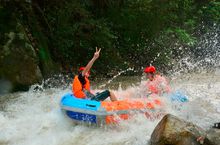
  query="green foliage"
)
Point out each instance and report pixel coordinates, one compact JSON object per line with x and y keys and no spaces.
{"x":137,"y":32}
{"x":76,"y":34}
{"x":211,"y":11}
{"x":184,"y":37}
{"x":7,"y":26}
{"x":139,"y":23}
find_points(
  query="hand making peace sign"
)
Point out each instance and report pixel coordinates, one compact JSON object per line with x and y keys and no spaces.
{"x":96,"y":54}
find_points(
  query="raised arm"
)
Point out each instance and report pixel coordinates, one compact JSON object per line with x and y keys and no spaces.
{"x":89,"y":65}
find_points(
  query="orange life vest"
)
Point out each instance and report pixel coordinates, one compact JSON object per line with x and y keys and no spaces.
{"x":158,"y":85}
{"x":77,"y":87}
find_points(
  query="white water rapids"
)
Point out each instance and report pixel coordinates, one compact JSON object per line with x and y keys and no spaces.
{"x":34,"y":118}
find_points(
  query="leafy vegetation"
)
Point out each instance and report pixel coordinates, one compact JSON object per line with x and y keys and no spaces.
{"x":131,"y":33}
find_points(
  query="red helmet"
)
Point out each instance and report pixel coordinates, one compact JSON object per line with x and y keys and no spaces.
{"x":81,"y":68}
{"x":150,"y":69}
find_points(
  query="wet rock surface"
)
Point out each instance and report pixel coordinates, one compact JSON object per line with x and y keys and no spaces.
{"x":175,"y":131}
{"x":214,"y":135}
{"x":19,"y":64}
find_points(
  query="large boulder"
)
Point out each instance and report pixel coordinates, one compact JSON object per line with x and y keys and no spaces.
{"x":19,"y":65}
{"x":25,"y":57}
{"x":214,"y":135}
{"x":174,"y":131}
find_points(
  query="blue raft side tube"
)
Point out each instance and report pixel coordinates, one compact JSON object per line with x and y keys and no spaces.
{"x":179,"y":96}
{"x":69,"y":100}
{"x":69,"y":103}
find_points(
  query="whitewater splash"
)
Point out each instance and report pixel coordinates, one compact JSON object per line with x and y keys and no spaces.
{"x":203,"y":58}
{"x":34,"y":117}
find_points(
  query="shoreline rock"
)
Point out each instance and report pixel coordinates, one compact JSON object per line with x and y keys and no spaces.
{"x":172,"y":130}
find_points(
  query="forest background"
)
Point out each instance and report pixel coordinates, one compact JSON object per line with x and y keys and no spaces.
{"x":40,"y":38}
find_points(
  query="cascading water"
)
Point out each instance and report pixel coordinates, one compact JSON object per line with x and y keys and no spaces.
{"x":34,"y":117}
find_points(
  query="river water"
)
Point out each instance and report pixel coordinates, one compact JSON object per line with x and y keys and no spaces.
{"x":34,"y":117}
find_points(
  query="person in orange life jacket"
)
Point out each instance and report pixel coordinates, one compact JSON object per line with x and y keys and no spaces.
{"x":156,"y":83}
{"x":81,"y":84}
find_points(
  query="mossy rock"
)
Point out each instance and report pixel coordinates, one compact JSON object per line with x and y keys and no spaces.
{"x":18,"y":61}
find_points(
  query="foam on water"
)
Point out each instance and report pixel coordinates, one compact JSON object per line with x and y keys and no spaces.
{"x":34,"y":118}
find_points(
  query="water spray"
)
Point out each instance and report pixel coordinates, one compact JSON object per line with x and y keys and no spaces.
{"x":114,"y":77}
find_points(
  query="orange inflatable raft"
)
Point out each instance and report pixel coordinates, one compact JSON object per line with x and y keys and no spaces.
{"x":105,"y":112}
